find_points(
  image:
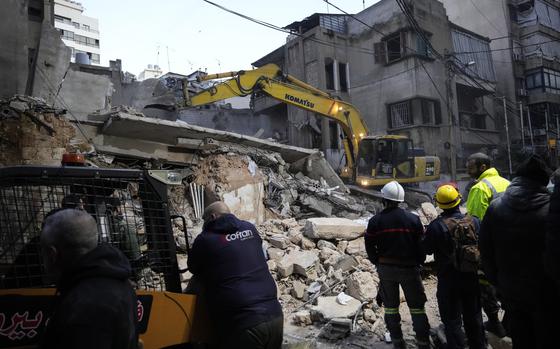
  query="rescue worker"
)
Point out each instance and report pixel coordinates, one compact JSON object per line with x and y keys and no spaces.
{"x":457,"y":291}
{"x":512,"y":244}
{"x":392,"y":242}
{"x":228,"y":260}
{"x":96,"y":305}
{"x":489,"y":185}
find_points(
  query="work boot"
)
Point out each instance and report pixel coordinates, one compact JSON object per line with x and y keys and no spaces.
{"x":495,"y":326}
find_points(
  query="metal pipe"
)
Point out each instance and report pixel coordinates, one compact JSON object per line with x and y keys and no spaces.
{"x":202,"y":199}
{"x":507,"y":136}
{"x":197,"y":200}
{"x":522,"y":124}
{"x":194,"y":199}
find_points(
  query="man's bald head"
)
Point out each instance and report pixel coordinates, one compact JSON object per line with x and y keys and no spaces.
{"x":215,"y":210}
{"x":69,"y":234}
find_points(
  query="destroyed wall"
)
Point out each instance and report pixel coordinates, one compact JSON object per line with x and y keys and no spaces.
{"x":32,"y":133}
{"x":32,"y":55}
{"x":242,"y":121}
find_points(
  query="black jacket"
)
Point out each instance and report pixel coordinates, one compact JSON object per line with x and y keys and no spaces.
{"x":96,"y":305}
{"x":512,"y":240}
{"x":393,"y":237}
{"x":228,"y":259}
{"x":552,"y":249}
{"x":438,"y":241}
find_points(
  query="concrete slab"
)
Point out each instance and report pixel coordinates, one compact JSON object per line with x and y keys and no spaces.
{"x":333,"y":228}
{"x":168,"y":132}
{"x":328,"y":308}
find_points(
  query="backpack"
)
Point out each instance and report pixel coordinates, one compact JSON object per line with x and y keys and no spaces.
{"x":465,"y":254}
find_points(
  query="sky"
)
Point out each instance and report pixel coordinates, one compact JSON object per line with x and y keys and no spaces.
{"x":186,"y":35}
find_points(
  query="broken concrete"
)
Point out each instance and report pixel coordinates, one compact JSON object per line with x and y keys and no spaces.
{"x":357,"y":247}
{"x":279,"y":241}
{"x":361,"y":286}
{"x":33,"y":133}
{"x":328,"y":308}
{"x":333,"y":228}
{"x":336,"y":329}
{"x":298,"y":262}
{"x":298,"y":289}
{"x":315,"y":166}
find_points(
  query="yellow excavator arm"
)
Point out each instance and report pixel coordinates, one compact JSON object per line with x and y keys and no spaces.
{"x":288,"y":89}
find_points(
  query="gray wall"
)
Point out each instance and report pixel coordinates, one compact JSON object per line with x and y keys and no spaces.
{"x":25,"y":40}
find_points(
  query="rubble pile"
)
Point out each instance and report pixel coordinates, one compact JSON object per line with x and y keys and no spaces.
{"x":32,"y":133}
{"x":323,"y":275}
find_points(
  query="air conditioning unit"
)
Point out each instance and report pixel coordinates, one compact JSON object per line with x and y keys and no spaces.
{"x":522,"y":92}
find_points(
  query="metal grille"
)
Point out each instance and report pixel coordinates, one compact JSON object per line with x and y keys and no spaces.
{"x":129,"y":206}
{"x":400,"y":114}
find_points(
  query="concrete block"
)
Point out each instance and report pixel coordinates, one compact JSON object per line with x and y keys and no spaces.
{"x":322,"y":244}
{"x":307,"y":244}
{"x":333,"y":228}
{"x":361,"y":286}
{"x":429,"y":210}
{"x":302,"y":318}
{"x":357,"y":247}
{"x":279,"y":241}
{"x":275,"y":254}
{"x":298,"y":262}
{"x":321,"y":207}
{"x":328,"y":308}
{"x":336,"y":329}
{"x":346,"y":263}
{"x":295,"y":235}
{"x":298,"y":289}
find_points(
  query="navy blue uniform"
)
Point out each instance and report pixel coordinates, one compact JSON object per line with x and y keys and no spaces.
{"x":227,"y":257}
{"x":393,"y":244}
{"x":458,"y":292}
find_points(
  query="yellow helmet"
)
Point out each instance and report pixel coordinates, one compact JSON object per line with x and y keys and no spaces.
{"x":447,"y":196}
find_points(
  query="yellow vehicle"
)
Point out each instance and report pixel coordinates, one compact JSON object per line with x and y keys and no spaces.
{"x":130,"y":207}
{"x":370,"y":160}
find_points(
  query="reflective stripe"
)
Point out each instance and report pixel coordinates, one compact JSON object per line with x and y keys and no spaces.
{"x":483,"y":282}
{"x":417,"y":311}
{"x":491,"y":187}
{"x":392,"y":311}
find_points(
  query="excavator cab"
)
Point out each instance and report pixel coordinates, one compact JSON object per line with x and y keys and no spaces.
{"x":383,"y":158}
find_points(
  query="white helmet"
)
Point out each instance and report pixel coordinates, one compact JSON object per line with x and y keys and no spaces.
{"x":393,"y":191}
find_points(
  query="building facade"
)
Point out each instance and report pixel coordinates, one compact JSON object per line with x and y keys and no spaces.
{"x":79,"y":32}
{"x":379,"y":63}
{"x":526,"y":51}
{"x":33,"y":55}
{"x":150,"y":72}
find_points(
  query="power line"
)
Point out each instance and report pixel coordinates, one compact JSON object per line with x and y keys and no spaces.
{"x":385,"y":78}
{"x":483,"y":15}
{"x":274,"y":27}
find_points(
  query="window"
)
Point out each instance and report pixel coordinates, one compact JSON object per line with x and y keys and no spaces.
{"x":66,"y":34}
{"x":35,"y":10}
{"x":415,"y":111}
{"x":85,"y":27}
{"x":329,"y":74}
{"x":343,"y":76}
{"x":400,"y":115}
{"x":390,"y":49}
{"x":76,"y":25}
{"x":428,"y":111}
{"x":394,"y":51}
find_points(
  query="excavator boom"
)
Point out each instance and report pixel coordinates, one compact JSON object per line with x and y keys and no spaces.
{"x":370,"y":161}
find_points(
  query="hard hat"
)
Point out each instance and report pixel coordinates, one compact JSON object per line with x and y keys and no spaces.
{"x":447,"y":196}
{"x":393,"y":191}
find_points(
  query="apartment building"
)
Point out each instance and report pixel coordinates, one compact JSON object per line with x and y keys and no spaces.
{"x":379,"y":63}
{"x":78,"y":31}
{"x":526,"y":51}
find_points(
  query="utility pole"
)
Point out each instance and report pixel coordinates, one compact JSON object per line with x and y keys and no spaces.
{"x":522,"y":123}
{"x":452,"y":146}
{"x":530,"y":130}
{"x":507,"y":135}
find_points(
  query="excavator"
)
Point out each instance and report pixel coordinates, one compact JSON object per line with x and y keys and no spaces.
{"x":371,"y":160}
